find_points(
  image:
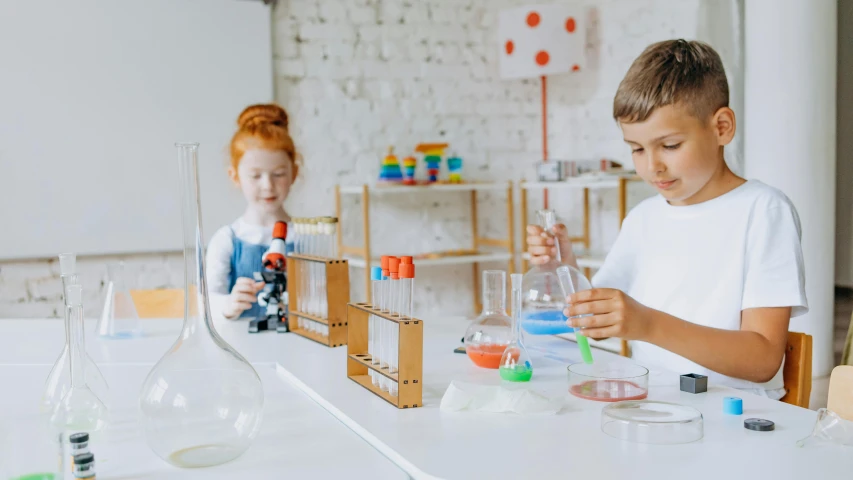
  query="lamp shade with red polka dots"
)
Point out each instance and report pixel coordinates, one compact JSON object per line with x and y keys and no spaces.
{"x":538,"y":40}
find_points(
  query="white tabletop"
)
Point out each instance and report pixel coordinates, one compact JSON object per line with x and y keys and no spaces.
{"x":297,"y":437}
{"x":429,"y":443}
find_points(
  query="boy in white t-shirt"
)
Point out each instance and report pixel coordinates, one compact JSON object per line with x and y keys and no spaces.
{"x":704,"y":277}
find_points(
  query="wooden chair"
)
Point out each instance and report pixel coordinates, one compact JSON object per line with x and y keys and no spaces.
{"x":797,"y":370}
{"x":840,"y":398}
{"x":847,"y":355}
{"x":162,"y":303}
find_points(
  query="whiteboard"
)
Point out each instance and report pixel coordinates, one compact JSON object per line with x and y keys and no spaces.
{"x":93,"y":96}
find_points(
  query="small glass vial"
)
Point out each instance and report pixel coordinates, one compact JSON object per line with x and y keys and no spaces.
{"x":84,"y":466}
{"x":78,"y":444}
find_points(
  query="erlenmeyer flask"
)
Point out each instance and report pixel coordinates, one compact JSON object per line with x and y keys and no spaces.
{"x":515,"y":363}
{"x":490,"y":333}
{"x":543,"y":301}
{"x":58,"y":381}
{"x":202,"y":402}
{"x":80,"y":409}
{"x":118,"y":318}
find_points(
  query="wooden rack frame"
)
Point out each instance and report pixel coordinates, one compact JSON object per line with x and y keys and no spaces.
{"x":409,"y":376}
{"x":506,"y":244}
{"x":337,"y":297}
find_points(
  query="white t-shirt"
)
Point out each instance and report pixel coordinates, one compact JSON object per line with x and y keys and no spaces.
{"x":218,"y":257}
{"x":705,"y":263}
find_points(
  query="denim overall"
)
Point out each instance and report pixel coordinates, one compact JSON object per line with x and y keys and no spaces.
{"x":246,"y":259}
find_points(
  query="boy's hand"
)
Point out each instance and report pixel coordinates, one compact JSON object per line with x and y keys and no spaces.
{"x":540,"y":244}
{"x":242,"y":296}
{"x":614,"y":314}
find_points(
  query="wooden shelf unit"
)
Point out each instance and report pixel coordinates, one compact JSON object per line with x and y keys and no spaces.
{"x":409,"y":376}
{"x":362,"y":256}
{"x":337,"y":297}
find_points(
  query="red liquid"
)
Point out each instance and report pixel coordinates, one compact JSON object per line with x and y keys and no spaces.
{"x":486,"y":356}
{"x":609,"y":390}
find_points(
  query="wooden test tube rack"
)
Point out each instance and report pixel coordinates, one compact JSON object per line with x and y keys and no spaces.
{"x":409,"y":376}
{"x":337,"y":297}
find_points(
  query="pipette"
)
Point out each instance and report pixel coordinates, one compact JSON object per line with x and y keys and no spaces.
{"x":568,"y":288}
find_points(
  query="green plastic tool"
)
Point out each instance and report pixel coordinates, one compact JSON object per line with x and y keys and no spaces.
{"x":565,"y":278}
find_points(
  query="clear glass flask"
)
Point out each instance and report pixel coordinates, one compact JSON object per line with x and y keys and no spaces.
{"x":58,"y":381}
{"x":118,"y":318}
{"x":80,"y":409}
{"x":489,"y":334}
{"x":515,"y":362}
{"x":202,"y":403}
{"x":543,"y":301}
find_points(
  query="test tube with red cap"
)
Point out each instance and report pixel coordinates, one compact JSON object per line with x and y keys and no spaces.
{"x":406,"y":274}
{"x":391,"y":328}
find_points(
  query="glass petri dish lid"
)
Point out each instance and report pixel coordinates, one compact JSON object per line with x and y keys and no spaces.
{"x":645,"y":421}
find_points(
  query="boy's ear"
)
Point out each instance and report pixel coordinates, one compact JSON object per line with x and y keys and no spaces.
{"x":232,"y":173}
{"x":724,"y":124}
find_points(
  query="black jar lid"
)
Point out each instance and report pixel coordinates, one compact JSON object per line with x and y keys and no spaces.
{"x":81,"y":437}
{"x":83,"y":459}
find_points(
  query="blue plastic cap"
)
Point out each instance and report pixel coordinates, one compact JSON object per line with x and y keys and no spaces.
{"x":733,"y":406}
{"x":376,"y":273}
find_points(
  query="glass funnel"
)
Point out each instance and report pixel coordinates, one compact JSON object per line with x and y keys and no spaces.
{"x":118,"y":318}
{"x":58,"y":381}
{"x":543,"y":301}
{"x":515,"y":363}
{"x":80,"y":409}
{"x":202,"y":403}
{"x":490,"y":333}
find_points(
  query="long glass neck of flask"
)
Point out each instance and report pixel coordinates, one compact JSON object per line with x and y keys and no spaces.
{"x":494,"y":291}
{"x":548,"y":219}
{"x":76,"y":346}
{"x":515,"y":278}
{"x":196,"y":308}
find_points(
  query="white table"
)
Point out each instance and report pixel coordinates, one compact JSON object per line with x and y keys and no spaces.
{"x":298,"y":438}
{"x":428,"y":443}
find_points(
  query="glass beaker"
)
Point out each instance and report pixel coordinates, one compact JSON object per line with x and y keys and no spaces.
{"x":543,"y":301}
{"x":58,"y":381}
{"x":515,"y":363}
{"x":118,"y":318}
{"x":80,"y":409}
{"x":202,"y":403}
{"x":490,"y":333}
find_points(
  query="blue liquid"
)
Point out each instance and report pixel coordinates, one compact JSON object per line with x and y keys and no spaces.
{"x":124,"y":335}
{"x":545,"y":322}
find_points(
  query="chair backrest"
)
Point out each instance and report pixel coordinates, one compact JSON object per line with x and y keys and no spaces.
{"x":840,"y":399}
{"x":162,"y":303}
{"x":797,"y":370}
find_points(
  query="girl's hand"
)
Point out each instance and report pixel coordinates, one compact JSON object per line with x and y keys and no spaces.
{"x":540,"y":244}
{"x":613,"y":314}
{"x":242,"y":296}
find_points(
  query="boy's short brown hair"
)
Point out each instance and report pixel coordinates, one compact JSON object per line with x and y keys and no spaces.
{"x":671,"y":72}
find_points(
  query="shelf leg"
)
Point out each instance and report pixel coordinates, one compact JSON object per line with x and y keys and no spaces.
{"x":365,"y":210}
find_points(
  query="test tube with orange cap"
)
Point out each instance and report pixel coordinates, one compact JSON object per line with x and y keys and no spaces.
{"x":393,"y":330}
{"x":381,"y":333}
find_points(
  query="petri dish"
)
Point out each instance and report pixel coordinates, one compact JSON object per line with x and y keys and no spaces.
{"x":608,"y":382}
{"x":645,"y":421}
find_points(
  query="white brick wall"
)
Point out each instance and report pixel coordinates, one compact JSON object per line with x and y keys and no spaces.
{"x":359,"y":75}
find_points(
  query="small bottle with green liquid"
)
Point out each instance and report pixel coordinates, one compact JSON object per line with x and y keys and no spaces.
{"x":515,"y":363}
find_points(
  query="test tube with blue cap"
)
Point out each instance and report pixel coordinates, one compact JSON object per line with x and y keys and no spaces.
{"x":372,"y":333}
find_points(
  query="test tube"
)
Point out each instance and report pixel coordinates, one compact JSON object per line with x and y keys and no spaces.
{"x":393,"y":328}
{"x":406,"y":273}
{"x":376,"y":291}
{"x":381,"y":330}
